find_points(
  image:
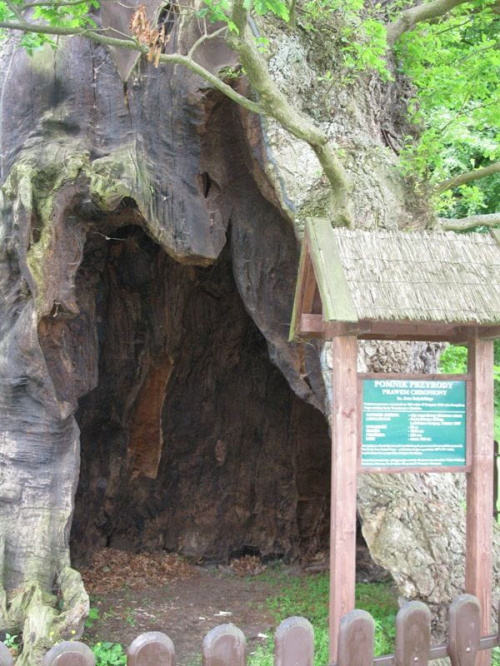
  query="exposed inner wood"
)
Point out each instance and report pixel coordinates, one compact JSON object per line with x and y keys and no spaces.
{"x":146,"y":436}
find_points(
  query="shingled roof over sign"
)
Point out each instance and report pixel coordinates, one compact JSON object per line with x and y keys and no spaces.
{"x":397,"y":276}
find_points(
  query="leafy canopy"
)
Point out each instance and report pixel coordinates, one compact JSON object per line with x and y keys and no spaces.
{"x":69,"y":14}
{"x":455,"y":66}
{"x":453,"y":62}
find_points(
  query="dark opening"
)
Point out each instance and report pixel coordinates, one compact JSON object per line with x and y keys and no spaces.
{"x":192,"y":440}
{"x":167,"y":19}
{"x":205,"y":184}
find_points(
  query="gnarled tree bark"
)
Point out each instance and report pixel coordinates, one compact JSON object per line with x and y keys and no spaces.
{"x":150,"y":240}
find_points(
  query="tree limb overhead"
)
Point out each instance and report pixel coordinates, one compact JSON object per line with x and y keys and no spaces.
{"x":132,"y":44}
{"x":466,"y":223}
{"x":276,"y":105}
{"x":410,"y":17}
{"x":468,"y":177}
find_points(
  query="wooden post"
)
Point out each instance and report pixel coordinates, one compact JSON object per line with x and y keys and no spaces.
{"x":478,"y":568}
{"x":344,"y":471}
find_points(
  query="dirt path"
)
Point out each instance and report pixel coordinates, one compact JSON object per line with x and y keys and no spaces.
{"x":185,"y":607}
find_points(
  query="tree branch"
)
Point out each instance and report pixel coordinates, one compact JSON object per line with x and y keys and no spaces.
{"x":214,"y":81}
{"x":466,"y":223}
{"x":15,"y":10}
{"x":93,"y":35}
{"x":56,"y":5}
{"x":272,"y":102}
{"x":410,"y":17}
{"x":468,"y":177}
{"x":170,"y":58}
{"x":204,"y":38}
{"x":276,"y":105}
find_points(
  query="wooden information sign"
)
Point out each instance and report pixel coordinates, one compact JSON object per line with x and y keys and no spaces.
{"x":393,"y":285}
{"x":417,"y":423}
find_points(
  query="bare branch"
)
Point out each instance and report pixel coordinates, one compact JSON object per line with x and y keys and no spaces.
{"x":213,"y":80}
{"x":204,"y":38}
{"x":170,"y":58}
{"x":468,"y":177}
{"x":15,"y":10}
{"x":61,"y":31}
{"x":410,"y":17}
{"x":55,"y":5}
{"x":466,"y":223}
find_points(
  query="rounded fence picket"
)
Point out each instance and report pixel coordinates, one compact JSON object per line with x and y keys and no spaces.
{"x":224,"y":646}
{"x":465,"y":630}
{"x":413,"y":635}
{"x":151,"y":649}
{"x":69,"y":653}
{"x":294,"y":643}
{"x":356,"y":639}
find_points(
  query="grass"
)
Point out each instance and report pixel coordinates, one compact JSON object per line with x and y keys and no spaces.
{"x":307,"y":596}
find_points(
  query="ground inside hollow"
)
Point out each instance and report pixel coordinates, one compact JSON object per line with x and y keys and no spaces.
{"x":135,"y":593}
{"x":132,"y":594}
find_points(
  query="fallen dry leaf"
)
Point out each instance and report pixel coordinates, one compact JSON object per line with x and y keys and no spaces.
{"x":113,"y":569}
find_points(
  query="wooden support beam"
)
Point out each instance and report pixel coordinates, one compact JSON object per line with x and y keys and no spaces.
{"x":489,"y":333}
{"x":422,"y":337}
{"x":344,"y":477}
{"x":304,"y":291}
{"x":478,"y":568}
{"x":313,"y":325}
{"x":383,"y":330}
{"x":336,"y":297}
{"x":308,"y":286}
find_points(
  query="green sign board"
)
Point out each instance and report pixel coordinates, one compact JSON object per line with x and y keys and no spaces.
{"x":413,"y":423}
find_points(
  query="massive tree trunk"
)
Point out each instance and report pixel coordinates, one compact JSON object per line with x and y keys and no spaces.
{"x":150,"y":235}
{"x":146,"y":292}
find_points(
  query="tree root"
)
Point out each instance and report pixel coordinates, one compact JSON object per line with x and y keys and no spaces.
{"x":45,"y":618}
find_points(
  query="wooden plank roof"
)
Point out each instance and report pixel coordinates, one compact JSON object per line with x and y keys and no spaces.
{"x":397,"y":276}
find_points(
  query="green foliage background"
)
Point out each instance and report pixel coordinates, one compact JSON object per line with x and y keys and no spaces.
{"x":455,"y":66}
{"x":453,"y":63}
{"x":454,"y":361}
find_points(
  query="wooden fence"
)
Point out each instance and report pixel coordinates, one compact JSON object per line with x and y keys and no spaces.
{"x":294,"y":642}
